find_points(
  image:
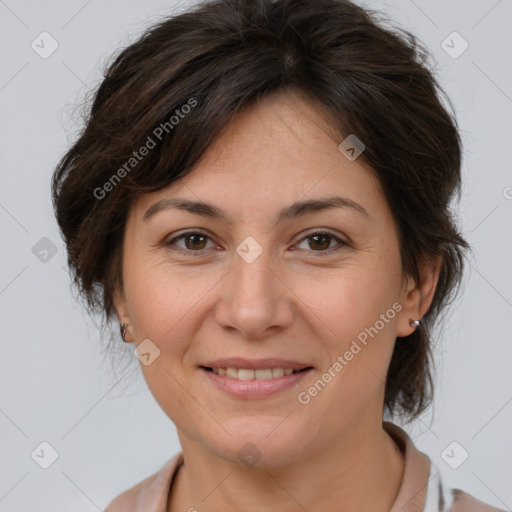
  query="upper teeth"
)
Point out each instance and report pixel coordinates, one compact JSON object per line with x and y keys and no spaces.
{"x":248,"y":374}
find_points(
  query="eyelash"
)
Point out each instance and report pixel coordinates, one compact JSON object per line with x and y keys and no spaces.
{"x":190,"y":252}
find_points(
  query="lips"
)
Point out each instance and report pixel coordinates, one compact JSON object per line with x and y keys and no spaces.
{"x":249,"y":388}
{"x":254,"y":378}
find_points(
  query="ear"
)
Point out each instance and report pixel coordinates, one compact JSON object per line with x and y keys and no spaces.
{"x":417,"y":297}
{"x":120,"y":306}
{"x":123,"y":317}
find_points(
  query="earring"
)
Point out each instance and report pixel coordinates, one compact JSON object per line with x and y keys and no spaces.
{"x":123,"y":328}
{"x":414,"y":323}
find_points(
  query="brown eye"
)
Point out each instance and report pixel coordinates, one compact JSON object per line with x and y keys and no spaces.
{"x":193,"y":242}
{"x":321,"y":242}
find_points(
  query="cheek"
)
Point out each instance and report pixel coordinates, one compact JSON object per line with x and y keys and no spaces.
{"x":355,"y":306}
{"x":358,"y":320}
{"x":350,"y":299}
{"x":164,"y":299}
{"x":155,"y":293}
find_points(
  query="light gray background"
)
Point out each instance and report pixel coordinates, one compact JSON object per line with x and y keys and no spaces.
{"x":55,"y":385}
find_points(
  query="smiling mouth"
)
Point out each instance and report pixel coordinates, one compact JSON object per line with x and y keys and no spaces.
{"x":251,"y":374}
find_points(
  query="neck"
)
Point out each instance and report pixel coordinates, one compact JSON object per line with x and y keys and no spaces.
{"x":363,"y":471}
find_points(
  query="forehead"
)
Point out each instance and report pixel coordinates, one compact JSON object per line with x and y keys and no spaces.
{"x":274,"y":153}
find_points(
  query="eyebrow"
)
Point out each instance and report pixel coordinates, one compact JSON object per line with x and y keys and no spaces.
{"x":295,"y":210}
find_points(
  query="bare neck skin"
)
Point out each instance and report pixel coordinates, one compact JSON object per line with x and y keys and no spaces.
{"x":363,"y":472}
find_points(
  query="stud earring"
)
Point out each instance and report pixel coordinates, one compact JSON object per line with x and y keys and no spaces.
{"x":123,"y":328}
{"x":414,"y":323}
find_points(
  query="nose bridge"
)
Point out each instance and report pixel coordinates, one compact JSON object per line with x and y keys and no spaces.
{"x":252,"y":279}
{"x":253,"y":299}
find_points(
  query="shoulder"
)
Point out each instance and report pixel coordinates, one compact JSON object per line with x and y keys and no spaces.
{"x":464,"y":502}
{"x":150,"y":494}
{"x":127,"y":501}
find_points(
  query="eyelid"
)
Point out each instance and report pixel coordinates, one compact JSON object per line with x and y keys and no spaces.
{"x":189,"y":231}
{"x":320,"y":231}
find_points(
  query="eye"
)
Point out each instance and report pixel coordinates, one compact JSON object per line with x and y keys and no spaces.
{"x":194,"y":241}
{"x":321,"y":242}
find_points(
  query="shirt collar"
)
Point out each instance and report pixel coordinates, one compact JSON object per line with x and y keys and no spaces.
{"x":421,"y":488}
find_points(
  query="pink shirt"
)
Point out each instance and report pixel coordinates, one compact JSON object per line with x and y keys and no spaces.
{"x":421,"y":489}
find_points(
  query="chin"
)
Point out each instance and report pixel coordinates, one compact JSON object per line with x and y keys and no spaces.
{"x":261,"y":444}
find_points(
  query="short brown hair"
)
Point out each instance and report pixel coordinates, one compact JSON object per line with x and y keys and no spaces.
{"x":370,"y":80}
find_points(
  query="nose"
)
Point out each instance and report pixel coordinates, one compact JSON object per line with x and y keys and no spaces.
{"x":254,"y":299}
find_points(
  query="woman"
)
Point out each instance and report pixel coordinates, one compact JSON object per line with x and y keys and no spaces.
{"x":260,"y":198}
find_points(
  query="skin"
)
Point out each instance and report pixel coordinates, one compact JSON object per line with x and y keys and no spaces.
{"x":291,"y":302}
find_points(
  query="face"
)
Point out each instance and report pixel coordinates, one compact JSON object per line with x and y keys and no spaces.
{"x":254,"y":284}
